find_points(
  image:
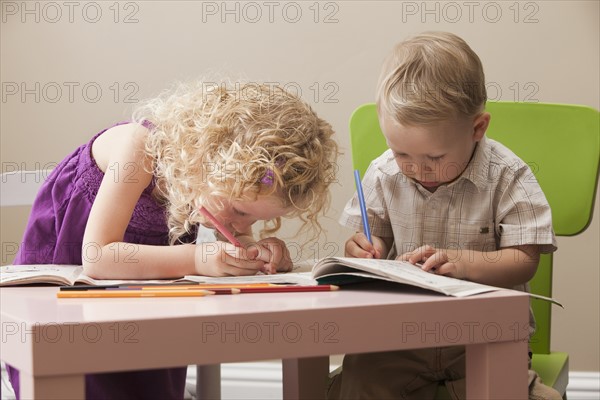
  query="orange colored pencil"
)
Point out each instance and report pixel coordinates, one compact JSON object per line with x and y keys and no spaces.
{"x":131,"y":293}
{"x":200,"y":286}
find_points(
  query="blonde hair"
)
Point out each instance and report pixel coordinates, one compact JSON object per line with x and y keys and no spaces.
{"x":431,"y":77}
{"x":216,"y":142}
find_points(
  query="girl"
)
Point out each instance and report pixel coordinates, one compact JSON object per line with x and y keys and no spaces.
{"x":125,"y":205}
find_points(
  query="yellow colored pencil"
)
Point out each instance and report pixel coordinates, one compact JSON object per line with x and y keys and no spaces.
{"x":131,"y":293}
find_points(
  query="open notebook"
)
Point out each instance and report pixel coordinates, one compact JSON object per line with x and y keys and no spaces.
{"x":69,"y":275}
{"x":332,"y":270}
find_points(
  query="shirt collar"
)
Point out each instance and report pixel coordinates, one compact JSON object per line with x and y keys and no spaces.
{"x":479,"y":166}
{"x":389,"y":166}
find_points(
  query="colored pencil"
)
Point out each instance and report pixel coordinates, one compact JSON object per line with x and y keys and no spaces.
{"x":131,"y":293}
{"x":161,"y":286}
{"x":174,"y":285}
{"x":220,"y":227}
{"x":363,"y":205}
{"x":288,"y":289}
{"x":222,"y":290}
{"x":226,"y":291}
{"x":208,"y":286}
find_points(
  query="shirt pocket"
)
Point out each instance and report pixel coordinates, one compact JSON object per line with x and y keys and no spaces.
{"x":474,"y":235}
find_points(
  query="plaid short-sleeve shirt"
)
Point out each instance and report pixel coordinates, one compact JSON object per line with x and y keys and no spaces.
{"x":495,"y":203}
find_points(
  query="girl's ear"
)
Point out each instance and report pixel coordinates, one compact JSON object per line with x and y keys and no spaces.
{"x":480,"y":125}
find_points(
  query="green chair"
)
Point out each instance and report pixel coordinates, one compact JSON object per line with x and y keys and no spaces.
{"x":561,"y":144}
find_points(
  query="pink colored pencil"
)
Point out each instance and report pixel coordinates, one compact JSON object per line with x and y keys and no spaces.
{"x":220,"y":227}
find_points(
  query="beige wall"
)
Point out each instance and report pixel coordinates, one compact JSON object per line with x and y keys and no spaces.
{"x":55,"y":57}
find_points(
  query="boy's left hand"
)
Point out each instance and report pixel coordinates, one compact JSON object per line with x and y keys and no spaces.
{"x":438,"y":261}
{"x":274,"y":253}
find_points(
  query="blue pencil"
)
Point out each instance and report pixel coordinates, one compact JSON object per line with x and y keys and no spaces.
{"x":363,"y":206}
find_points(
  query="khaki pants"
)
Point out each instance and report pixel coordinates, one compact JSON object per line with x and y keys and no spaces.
{"x":412,"y":374}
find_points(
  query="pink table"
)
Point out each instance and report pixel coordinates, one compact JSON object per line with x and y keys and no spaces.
{"x":54,"y":342}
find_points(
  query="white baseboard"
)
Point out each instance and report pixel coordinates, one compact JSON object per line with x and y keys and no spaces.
{"x":262,"y":380}
{"x":583,"y":386}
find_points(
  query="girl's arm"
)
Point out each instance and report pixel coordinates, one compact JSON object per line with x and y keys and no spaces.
{"x":120,"y":153}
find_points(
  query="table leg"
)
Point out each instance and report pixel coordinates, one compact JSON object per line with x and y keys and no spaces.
{"x":497,"y":371}
{"x":305,"y":378}
{"x":208,"y":382}
{"x":62,"y":387}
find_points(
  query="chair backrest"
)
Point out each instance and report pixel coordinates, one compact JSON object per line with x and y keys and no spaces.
{"x":561,"y":144}
{"x":18,"y":188}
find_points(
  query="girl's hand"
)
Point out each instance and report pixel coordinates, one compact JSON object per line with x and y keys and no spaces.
{"x":224,"y":259}
{"x":274,"y":253}
{"x":438,"y":261}
{"x":358,"y":246}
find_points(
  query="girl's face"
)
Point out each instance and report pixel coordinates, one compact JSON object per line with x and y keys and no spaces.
{"x":239,"y":216}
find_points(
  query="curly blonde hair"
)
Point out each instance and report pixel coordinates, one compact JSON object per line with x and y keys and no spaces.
{"x":221,"y":142}
{"x":431,"y":77}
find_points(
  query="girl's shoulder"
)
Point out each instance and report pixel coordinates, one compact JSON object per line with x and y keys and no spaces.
{"x":121,"y":143}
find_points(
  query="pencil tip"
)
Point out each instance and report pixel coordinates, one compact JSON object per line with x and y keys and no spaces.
{"x":334,"y":287}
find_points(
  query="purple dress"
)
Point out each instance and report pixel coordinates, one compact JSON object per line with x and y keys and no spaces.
{"x":54,"y":235}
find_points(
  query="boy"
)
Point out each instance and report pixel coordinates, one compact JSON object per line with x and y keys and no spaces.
{"x":445,"y":196}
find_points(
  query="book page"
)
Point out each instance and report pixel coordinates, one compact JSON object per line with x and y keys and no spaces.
{"x":402,"y":272}
{"x":105,"y":282}
{"x":39,"y":273}
{"x":66,"y":275}
{"x":290,"y":278}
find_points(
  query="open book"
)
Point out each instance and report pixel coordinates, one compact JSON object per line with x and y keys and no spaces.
{"x":331,"y":270}
{"x":343,"y":270}
{"x":69,"y":275}
{"x":66,"y":275}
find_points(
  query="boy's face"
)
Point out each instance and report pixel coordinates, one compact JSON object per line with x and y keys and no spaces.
{"x":437,"y":153}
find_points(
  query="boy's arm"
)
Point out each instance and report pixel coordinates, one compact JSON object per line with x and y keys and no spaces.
{"x":506,"y":267}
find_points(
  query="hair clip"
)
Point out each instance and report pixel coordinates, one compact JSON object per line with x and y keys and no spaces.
{"x":269,"y":176}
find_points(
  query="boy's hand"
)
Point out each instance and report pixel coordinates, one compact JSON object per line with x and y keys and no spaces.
{"x":438,"y":261}
{"x":274,"y":253}
{"x":358,"y":246}
{"x":224,"y":259}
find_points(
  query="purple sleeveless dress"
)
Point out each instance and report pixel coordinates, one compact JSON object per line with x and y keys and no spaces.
{"x":54,"y":235}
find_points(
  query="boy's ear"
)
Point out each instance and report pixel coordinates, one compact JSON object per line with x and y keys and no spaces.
{"x":480,"y":125}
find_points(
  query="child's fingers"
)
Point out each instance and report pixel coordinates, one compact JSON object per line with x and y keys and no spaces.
{"x":264,"y":253}
{"x":422,"y":254}
{"x":403,"y":257}
{"x":362,"y":240}
{"x":368,"y":249}
{"x":446,"y":269}
{"x":432,"y":264}
{"x":237,"y":257}
{"x":378,"y":247}
{"x":353,"y":249}
{"x":280,"y":256}
{"x":252,"y":252}
{"x":276,"y":257}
